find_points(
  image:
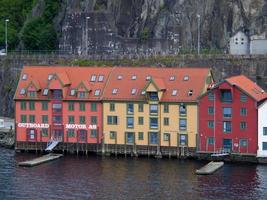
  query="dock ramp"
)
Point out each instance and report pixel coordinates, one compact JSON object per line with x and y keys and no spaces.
{"x":209,"y":168}
{"x":40,"y":160}
{"x":51,"y":145}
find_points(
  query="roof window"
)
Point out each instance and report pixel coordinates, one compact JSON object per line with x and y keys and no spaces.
{"x":174,"y":92}
{"x":101,"y":78}
{"x":72,"y":92}
{"x":97,"y":92}
{"x":93,"y":78}
{"x":186,"y":78}
{"x":172,"y":78}
{"x":190,"y":93}
{"x":45,"y":92}
{"x":143,"y":92}
{"x":50,"y":76}
{"x":115,"y":91}
{"x":22,"y":91}
{"x":24,"y":77}
{"x":133,"y":77}
{"x":119,"y":77}
{"x":133,"y":91}
{"x":148,"y":77}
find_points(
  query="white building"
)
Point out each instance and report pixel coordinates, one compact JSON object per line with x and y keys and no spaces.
{"x":262,"y":130}
{"x":239,"y":43}
{"x":6,"y":123}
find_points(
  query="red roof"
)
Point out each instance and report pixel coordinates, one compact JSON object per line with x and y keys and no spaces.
{"x":248,"y":86}
{"x":119,"y":83}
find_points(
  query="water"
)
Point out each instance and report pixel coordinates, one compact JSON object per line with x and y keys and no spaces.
{"x":94,"y":177}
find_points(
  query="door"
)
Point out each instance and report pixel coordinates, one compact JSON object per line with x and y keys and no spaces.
{"x":227,"y":145}
{"x":82,"y":136}
{"x":58,"y":135}
{"x":243,"y":146}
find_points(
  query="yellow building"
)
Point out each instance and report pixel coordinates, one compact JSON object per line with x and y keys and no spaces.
{"x":152,"y":110}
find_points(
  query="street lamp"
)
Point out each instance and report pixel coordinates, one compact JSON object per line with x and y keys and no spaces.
{"x":86,"y":35}
{"x":7,"y":20}
{"x":198,"y":34}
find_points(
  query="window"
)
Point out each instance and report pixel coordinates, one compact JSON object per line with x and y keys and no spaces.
{"x":227,"y":127}
{"x":31,"y":134}
{"x":140,"y":136}
{"x":153,"y":96}
{"x":243,"y":98}
{"x":166,"y":137}
{"x":166,"y":121}
{"x":140,"y":120}
{"x":227,"y":112}
{"x":166,"y":108}
{"x":101,"y":78}
{"x":45,"y":92}
{"x":133,"y":91}
{"x":72,"y":92}
{"x":32,"y":94}
{"x":130,"y":122}
{"x":172,"y":78}
{"x":44,"y":119}
{"x":57,"y":119}
{"x":153,"y":123}
{"x":82,"y":119}
{"x":57,"y":94}
{"x":210,"y":96}
{"x":143,"y":92}
{"x":24,"y":77}
{"x":264,"y":145}
{"x":210,"y":140}
{"x":133,"y":77}
{"x":93,"y":119}
{"x":186,"y":78}
{"x":32,"y":118}
{"x":23,"y":118}
{"x":22,"y":91}
{"x":243,"y":142}
{"x":44,"y":132}
{"x":111,"y":107}
{"x":211,"y":110}
{"x":82,"y":135}
{"x":119,"y":77}
{"x":71,"y":106}
{"x":71,"y":133}
{"x":153,"y":138}
{"x":50,"y":76}
{"x":129,"y":137}
{"x":93,"y":107}
{"x":57,"y":107}
{"x":112,"y":120}
{"x":115,"y":91}
{"x":182,"y":110}
{"x":148,"y":78}
{"x":81,"y":94}
{"x":97,"y":92}
{"x":82,"y":106}
{"x":182,"y":124}
{"x":243,"y":112}
{"x":264,"y":131}
{"x":210,"y":124}
{"x":93,"y":133}
{"x":23,"y":105}
{"x":112,"y":135}
{"x":93,"y":78}
{"x":71,"y":119}
{"x":226,"y":95}
{"x":190,"y":92}
{"x":140,"y":107}
{"x":153,"y":109}
{"x":183,"y":139}
{"x":130,"y":108}
{"x":32,"y":105}
{"x":44,"y":105}
{"x":174,"y":92}
{"x":243,"y":125}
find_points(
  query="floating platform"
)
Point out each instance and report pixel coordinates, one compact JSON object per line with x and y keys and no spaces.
{"x":40,"y":160}
{"x":209,"y":168}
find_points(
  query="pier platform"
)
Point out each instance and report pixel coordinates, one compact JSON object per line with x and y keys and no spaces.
{"x":40,"y":160}
{"x":209,"y":168}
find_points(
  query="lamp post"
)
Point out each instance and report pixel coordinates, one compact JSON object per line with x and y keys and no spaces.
{"x":198,"y":34}
{"x":86,"y":35}
{"x":7,"y":20}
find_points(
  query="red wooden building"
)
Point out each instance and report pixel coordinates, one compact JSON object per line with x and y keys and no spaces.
{"x":228,"y":116}
{"x":59,"y":104}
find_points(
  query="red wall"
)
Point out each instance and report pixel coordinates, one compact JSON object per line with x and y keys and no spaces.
{"x":250,"y":133}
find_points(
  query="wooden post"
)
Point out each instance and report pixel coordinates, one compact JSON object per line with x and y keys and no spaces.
{"x":115,"y":143}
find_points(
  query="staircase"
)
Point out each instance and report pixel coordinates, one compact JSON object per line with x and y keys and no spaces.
{"x":51,"y":145}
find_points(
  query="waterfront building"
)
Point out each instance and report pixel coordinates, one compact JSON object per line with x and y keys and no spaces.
{"x":228,"y":116}
{"x":153,"y":110}
{"x":262,"y":130}
{"x":59,"y":104}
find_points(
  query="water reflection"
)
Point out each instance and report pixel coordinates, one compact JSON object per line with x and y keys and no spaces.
{"x":93,"y":177}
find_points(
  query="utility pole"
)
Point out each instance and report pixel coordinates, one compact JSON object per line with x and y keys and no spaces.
{"x":198,"y":34}
{"x":7,"y":20}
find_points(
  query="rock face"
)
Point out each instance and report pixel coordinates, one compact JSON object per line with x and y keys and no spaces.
{"x":155,"y":26}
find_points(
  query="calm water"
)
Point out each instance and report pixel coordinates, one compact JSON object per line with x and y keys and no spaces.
{"x":94,"y":177}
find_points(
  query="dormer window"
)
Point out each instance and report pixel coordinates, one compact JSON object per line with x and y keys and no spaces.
{"x":72,"y":92}
{"x":50,"y":76}
{"x":153,"y":96}
{"x":148,"y":78}
{"x":133,"y":91}
{"x":133,"y":77}
{"x":31,"y":93}
{"x":24,"y":77}
{"x":172,"y":78}
{"x":93,"y":78}
{"x":186,"y":78}
{"x":119,"y":77}
{"x":81,"y":94}
{"x":100,"y":78}
{"x":97,"y":92}
{"x":22,"y":91}
{"x":190,"y":93}
{"x":114,"y":91}
{"x":174,"y":92}
{"x":45,"y":92}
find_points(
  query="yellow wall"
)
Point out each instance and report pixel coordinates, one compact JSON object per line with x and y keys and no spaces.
{"x":172,"y":129}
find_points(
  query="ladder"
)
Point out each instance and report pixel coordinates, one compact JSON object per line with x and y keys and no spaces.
{"x":51,"y":145}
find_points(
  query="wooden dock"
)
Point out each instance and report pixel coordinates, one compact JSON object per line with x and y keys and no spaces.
{"x":40,"y":160}
{"x":209,"y":168}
